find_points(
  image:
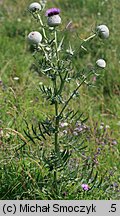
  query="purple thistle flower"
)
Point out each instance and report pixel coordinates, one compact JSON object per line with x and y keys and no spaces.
{"x":85,"y":187}
{"x":52,"y":12}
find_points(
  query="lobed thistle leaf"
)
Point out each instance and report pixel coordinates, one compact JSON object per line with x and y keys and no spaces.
{"x":41,"y":132}
{"x":60,"y":45}
{"x":29,"y":136}
{"x":35,"y":133}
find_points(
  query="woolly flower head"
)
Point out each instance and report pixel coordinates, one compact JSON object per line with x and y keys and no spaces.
{"x":103,"y":31}
{"x":101,"y":63}
{"x":53,"y":17}
{"x":34,"y":37}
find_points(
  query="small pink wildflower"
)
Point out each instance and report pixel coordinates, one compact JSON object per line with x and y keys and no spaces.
{"x":85,"y":187}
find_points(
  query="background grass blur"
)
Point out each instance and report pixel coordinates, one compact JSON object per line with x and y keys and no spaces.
{"x":19,"y":99}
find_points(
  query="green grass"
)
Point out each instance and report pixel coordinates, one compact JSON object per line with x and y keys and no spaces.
{"x":20,"y":172}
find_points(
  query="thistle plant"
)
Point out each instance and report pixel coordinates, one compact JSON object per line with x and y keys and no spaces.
{"x":66,"y":128}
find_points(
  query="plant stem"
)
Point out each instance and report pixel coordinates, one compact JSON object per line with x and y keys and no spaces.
{"x":74,"y":92}
{"x":43,"y":30}
{"x":56,"y":127}
{"x":57,"y":148}
{"x":89,"y":38}
{"x":62,"y":83}
{"x":82,"y":44}
{"x":56,"y":102}
{"x":56,"y":48}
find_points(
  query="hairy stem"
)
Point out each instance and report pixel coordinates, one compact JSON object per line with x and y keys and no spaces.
{"x":43,"y":30}
{"x":74,"y":92}
{"x":62,"y":83}
{"x":57,"y":148}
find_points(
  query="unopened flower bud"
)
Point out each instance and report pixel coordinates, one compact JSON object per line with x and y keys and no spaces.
{"x":101,"y":63}
{"x":34,"y":7}
{"x":34,"y":37}
{"x":103,"y":31}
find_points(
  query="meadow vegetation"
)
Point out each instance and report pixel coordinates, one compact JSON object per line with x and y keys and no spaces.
{"x":21,"y":174}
